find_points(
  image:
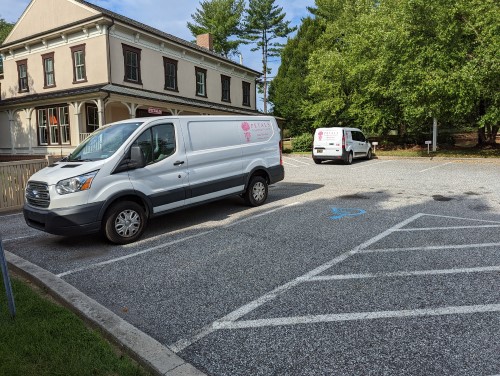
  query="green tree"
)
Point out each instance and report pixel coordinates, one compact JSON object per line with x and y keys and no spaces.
{"x":5,"y":29}
{"x":221,"y":18}
{"x":263,"y":23}
{"x":288,"y":89}
{"x":396,"y":64}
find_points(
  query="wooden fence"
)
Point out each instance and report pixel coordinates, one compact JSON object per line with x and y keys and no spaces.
{"x":13,"y":179}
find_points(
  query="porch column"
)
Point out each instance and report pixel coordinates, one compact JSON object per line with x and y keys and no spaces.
{"x":28,"y":112}
{"x":11,"y":114}
{"x":132,"y":107}
{"x":100,"y":111}
{"x":175,"y":111}
{"x":75,"y":131}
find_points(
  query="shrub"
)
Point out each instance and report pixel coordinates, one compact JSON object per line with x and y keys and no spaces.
{"x":302,"y":143}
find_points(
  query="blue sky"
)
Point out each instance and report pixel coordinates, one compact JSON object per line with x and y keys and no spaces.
{"x":171,"y":16}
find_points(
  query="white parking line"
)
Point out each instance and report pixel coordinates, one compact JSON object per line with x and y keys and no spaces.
{"x":249,"y":307}
{"x":10,"y":215}
{"x":364,"y":165}
{"x":339,"y":277}
{"x":298,"y":161}
{"x":431,"y":168}
{"x":289,"y":164}
{"x":432,"y":248}
{"x":163,"y":245}
{"x":445,"y":228}
{"x":310,"y":319}
{"x":21,"y":237}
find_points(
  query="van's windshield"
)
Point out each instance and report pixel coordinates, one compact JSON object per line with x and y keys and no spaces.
{"x":103,"y":143}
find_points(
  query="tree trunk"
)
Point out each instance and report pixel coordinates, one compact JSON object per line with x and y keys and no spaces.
{"x":481,"y":136}
{"x":493,"y":134}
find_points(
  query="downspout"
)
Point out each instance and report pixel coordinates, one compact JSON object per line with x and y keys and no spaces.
{"x":108,"y":46}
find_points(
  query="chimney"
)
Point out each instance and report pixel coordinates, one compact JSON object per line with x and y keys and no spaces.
{"x":205,"y":41}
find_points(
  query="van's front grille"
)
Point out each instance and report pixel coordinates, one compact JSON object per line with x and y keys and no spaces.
{"x":37,"y":194}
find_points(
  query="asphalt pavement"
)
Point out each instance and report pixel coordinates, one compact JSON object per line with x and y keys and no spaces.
{"x":387,"y":266}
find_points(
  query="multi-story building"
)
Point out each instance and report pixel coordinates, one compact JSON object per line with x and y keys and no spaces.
{"x":70,"y":66}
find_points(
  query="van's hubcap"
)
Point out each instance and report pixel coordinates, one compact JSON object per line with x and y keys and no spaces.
{"x":127,"y":223}
{"x":259,"y":191}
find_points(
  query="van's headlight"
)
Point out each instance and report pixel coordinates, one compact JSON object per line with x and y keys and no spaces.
{"x":76,"y":183}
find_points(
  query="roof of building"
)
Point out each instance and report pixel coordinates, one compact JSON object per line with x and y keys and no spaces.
{"x":126,"y":91}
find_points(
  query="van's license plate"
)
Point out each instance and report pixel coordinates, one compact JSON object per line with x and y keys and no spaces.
{"x":319,"y":151}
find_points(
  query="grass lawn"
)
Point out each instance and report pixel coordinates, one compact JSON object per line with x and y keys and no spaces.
{"x":450,"y":153}
{"x":47,"y":339}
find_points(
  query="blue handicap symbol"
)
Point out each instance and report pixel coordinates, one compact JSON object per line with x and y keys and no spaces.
{"x":346,"y":212}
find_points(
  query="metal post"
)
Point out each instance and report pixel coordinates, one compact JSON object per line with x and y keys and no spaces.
{"x":6,"y":281}
{"x":434,"y":133}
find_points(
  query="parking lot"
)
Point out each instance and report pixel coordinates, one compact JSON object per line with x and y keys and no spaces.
{"x":387,"y":266}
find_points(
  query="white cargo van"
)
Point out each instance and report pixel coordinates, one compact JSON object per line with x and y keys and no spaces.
{"x":340,"y":143}
{"x":130,"y":171}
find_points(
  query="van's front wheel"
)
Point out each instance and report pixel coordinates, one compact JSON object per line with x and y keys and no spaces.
{"x":124,"y":222}
{"x":256,"y":193}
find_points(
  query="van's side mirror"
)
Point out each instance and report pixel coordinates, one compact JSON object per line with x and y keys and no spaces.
{"x":137,"y":158}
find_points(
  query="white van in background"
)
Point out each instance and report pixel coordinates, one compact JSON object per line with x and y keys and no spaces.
{"x":340,"y":143}
{"x":127,"y":172}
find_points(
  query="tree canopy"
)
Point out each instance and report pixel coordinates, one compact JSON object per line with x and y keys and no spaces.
{"x":5,"y":29}
{"x":385,"y":65}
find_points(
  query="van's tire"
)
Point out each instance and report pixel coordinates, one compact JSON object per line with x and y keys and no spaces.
{"x":317,"y":161}
{"x":256,"y":193}
{"x":124,"y":222}
{"x":369,"y":154}
{"x":349,"y":158}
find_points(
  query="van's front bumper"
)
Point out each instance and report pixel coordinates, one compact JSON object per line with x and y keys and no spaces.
{"x":76,"y":220}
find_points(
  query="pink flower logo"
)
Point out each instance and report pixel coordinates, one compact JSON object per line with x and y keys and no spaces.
{"x":245,"y":126}
{"x":320,"y":135}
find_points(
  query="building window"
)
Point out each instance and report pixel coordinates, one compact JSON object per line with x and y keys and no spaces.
{"x":22,"y":74}
{"x":1,"y":67}
{"x":246,"y":94}
{"x":92,"y":118}
{"x":226,"y":88}
{"x":132,"y":64}
{"x":48,"y":70}
{"x":201,"y":82}
{"x":78,"y":56}
{"x":53,"y":126}
{"x":170,"y":74}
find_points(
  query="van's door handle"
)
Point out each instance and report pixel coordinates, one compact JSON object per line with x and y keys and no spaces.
{"x":178,"y":163}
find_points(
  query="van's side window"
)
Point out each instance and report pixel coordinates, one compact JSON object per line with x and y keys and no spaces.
{"x":157,"y":142}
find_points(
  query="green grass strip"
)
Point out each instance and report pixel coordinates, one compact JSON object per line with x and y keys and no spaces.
{"x":47,"y":339}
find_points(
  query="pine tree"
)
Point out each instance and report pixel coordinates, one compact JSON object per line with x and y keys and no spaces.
{"x":221,"y":18}
{"x":263,"y":24}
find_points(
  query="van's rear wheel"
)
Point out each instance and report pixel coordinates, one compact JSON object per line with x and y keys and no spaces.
{"x":124,"y":222}
{"x":317,"y":161}
{"x":256,"y":193}
{"x":349,"y":158}
{"x":369,"y":155}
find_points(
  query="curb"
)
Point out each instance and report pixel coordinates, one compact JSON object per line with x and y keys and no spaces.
{"x":145,"y":350}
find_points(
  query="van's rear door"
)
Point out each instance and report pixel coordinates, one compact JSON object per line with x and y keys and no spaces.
{"x":328,"y":142}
